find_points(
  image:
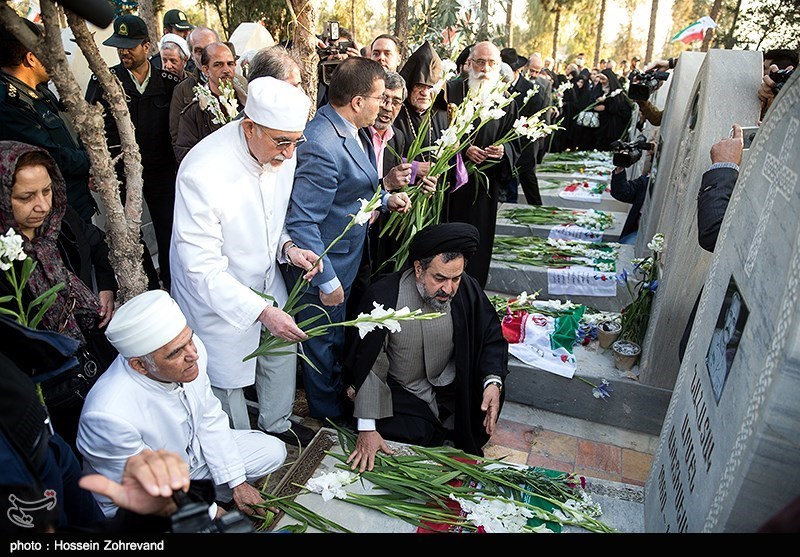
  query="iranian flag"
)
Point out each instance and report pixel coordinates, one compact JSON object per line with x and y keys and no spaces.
{"x":696,"y":31}
{"x":34,"y":12}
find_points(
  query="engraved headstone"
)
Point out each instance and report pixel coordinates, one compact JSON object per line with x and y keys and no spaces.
{"x":724,"y":93}
{"x":681,"y":86}
{"x":728,"y":453}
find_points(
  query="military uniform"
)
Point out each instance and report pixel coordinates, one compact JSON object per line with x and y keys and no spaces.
{"x":35,"y":116}
{"x":150,"y":116}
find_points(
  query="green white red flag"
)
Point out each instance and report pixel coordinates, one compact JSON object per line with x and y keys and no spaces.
{"x":696,"y":31}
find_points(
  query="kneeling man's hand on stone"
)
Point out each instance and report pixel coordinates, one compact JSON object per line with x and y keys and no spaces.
{"x":367,"y":445}
{"x":491,"y":405}
{"x":245,"y":496}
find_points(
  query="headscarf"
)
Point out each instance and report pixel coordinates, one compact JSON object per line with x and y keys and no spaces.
{"x":613,"y":80}
{"x":43,"y":249}
{"x":432,"y":240}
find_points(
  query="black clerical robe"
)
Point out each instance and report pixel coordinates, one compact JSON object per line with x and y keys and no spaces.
{"x":476,"y":201}
{"x":480,"y":350}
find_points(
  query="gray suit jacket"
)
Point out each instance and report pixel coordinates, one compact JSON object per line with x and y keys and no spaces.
{"x":333,"y":173}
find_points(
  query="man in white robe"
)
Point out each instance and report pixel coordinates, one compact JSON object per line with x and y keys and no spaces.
{"x":156,"y":395}
{"x":228,"y":238}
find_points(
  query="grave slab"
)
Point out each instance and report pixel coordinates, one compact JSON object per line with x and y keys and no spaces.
{"x":724,"y":93}
{"x":507,"y":227}
{"x":728,"y":455}
{"x":550,"y":189}
{"x":514,"y":278}
{"x":632,"y":405}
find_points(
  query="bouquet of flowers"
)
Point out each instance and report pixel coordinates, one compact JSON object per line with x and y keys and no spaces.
{"x":558,"y":93}
{"x":365,"y":322}
{"x":224,"y":108}
{"x":601,"y":100}
{"x":636,"y":315}
{"x":481,"y":106}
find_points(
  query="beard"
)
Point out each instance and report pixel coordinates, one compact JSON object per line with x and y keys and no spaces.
{"x":431,"y":300}
{"x":275,"y":168}
{"x":477,"y":79}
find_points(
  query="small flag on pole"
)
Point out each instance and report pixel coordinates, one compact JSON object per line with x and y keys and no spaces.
{"x":696,"y":31}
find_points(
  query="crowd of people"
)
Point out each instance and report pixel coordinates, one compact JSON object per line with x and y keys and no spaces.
{"x":246,"y":195}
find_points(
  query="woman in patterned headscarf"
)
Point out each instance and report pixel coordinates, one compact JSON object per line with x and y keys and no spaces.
{"x":66,"y":251}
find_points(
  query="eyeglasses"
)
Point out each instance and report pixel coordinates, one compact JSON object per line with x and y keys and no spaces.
{"x":385,"y":99}
{"x":480,"y":62}
{"x":283,"y":145}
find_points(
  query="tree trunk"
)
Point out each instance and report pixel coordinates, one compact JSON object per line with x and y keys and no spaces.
{"x":304,"y":44}
{"x":510,"y":23}
{"x":123,"y":235}
{"x":148,"y":13}
{"x":388,"y":16}
{"x":483,"y":28}
{"x":401,"y":26}
{"x":556,"y":25}
{"x":710,"y":32}
{"x":599,"y":42}
{"x":651,"y":33}
{"x":730,"y":39}
{"x":353,"y":20}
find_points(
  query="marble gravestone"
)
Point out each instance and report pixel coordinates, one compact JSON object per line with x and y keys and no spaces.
{"x":681,"y":84}
{"x":724,"y":92}
{"x":728,"y":453}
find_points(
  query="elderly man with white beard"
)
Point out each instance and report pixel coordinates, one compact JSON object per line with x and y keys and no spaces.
{"x":232,"y":194}
{"x":475,"y":202}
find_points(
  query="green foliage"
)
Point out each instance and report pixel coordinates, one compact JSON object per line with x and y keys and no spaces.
{"x":232,"y":13}
{"x":770,"y":24}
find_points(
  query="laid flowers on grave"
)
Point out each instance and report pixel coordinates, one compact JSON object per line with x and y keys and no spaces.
{"x":224,"y":108}
{"x":642,"y":284}
{"x":446,"y":490}
{"x":579,"y":156}
{"x":584,"y":186}
{"x":379,"y":317}
{"x":556,"y":253}
{"x":554,"y":216}
{"x":601,"y":391}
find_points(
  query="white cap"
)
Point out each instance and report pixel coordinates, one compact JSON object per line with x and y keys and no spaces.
{"x":178,"y":40}
{"x":145,"y":323}
{"x":277,"y":104}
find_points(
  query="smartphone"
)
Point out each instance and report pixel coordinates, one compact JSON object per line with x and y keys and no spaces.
{"x":748,"y":134}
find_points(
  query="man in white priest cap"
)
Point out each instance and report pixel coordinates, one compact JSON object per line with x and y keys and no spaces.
{"x":156,"y":395}
{"x":228,"y":238}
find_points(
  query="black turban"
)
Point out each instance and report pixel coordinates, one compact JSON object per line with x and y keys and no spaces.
{"x":457,"y":237}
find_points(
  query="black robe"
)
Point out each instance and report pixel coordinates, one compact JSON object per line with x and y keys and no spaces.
{"x":479,"y":350}
{"x":476,"y":201}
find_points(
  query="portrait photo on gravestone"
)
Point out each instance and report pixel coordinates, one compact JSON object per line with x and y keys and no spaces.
{"x":725,"y":340}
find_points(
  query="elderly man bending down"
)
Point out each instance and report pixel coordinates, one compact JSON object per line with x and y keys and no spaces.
{"x":437,"y":381}
{"x":156,"y":395}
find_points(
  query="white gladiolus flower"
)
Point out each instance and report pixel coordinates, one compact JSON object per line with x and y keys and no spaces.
{"x":11,"y":249}
{"x":657,"y":243}
{"x":331,"y":485}
{"x":364,"y":213}
{"x":494,"y":515}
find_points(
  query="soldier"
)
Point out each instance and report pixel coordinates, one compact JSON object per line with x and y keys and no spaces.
{"x":31,"y":113}
{"x":148,"y":93}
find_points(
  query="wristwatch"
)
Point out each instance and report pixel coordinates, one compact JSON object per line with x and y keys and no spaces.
{"x":497,"y":382}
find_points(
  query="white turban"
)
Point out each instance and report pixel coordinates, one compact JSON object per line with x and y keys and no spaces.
{"x":178,"y":40}
{"x":145,"y":323}
{"x":277,"y":104}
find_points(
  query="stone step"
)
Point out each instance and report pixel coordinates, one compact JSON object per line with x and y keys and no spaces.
{"x":509,"y":228}
{"x":514,"y":278}
{"x":632,"y":405}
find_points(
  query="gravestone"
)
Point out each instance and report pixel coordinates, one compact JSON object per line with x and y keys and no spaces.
{"x":508,"y":227}
{"x":728,"y":454}
{"x":681,"y":86}
{"x":724,"y":92}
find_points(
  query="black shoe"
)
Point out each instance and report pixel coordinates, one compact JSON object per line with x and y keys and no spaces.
{"x":297,"y":435}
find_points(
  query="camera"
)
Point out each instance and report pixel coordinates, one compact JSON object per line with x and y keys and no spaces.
{"x":642,"y":84}
{"x":780,"y":77}
{"x":331,"y":48}
{"x":626,"y":154}
{"x":192,"y":518}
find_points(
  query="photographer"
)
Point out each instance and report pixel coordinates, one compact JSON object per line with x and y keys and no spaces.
{"x":630,"y":191}
{"x":643,"y":84}
{"x":336,"y":45}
